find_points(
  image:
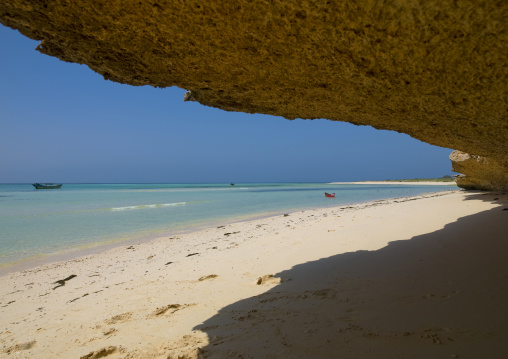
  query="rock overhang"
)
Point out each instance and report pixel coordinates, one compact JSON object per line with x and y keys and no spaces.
{"x":436,"y":70}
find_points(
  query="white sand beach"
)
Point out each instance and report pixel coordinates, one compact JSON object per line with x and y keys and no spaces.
{"x":416,"y":183}
{"x":417,"y":277}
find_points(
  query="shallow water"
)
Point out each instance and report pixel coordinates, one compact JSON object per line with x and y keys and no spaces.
{"x":37,"y":223}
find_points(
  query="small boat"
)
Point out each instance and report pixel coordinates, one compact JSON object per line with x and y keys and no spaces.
{"x":46,"y":185}
{"x":231,"y":184}
{"x":331,"y":195}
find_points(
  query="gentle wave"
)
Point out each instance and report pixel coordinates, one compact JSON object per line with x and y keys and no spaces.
{"x":145,"y":206}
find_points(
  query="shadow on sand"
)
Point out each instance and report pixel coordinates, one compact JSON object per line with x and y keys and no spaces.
{"x":438,"y":295}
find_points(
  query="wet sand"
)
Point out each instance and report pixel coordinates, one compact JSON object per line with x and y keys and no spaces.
{"x":416,"y":277}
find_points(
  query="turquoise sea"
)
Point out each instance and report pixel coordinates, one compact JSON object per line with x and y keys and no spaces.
{"x":36,"y":224}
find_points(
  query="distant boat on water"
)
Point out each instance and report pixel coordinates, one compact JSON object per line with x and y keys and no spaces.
{"x":47,"y":185}
{"x":331,"y":195}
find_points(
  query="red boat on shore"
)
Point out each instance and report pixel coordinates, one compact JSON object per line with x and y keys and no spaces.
{"x":331,"y":195}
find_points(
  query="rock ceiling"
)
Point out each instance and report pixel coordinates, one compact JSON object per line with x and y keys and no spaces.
{"x":433,"y":69}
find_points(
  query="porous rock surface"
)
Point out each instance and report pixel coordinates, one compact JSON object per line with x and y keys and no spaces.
{"x":479,"y":172}
{"x":434,"y":69}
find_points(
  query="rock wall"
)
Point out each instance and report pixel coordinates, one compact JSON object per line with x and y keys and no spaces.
{"x":479,"y":172}
{"x":434,"y":69}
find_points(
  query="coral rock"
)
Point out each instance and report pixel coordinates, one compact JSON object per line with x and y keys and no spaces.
{"x":479,"y":172}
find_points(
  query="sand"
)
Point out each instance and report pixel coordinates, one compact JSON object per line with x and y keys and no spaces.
{"x":418,"y":277}
{"x":416,"y":183}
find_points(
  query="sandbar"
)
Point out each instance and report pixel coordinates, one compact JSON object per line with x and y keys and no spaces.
{"x":409,"y":183}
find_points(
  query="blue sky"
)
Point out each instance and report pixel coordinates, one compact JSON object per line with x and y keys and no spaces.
{"x":62,"y":122}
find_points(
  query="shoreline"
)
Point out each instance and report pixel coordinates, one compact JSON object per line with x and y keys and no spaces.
{"x":67,"y":254}
{"x":226,"y":289}
{"x":419,"y":183}
{"x":92,"y":249}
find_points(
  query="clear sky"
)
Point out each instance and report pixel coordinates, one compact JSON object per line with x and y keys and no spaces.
{"x":62,"y":122}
